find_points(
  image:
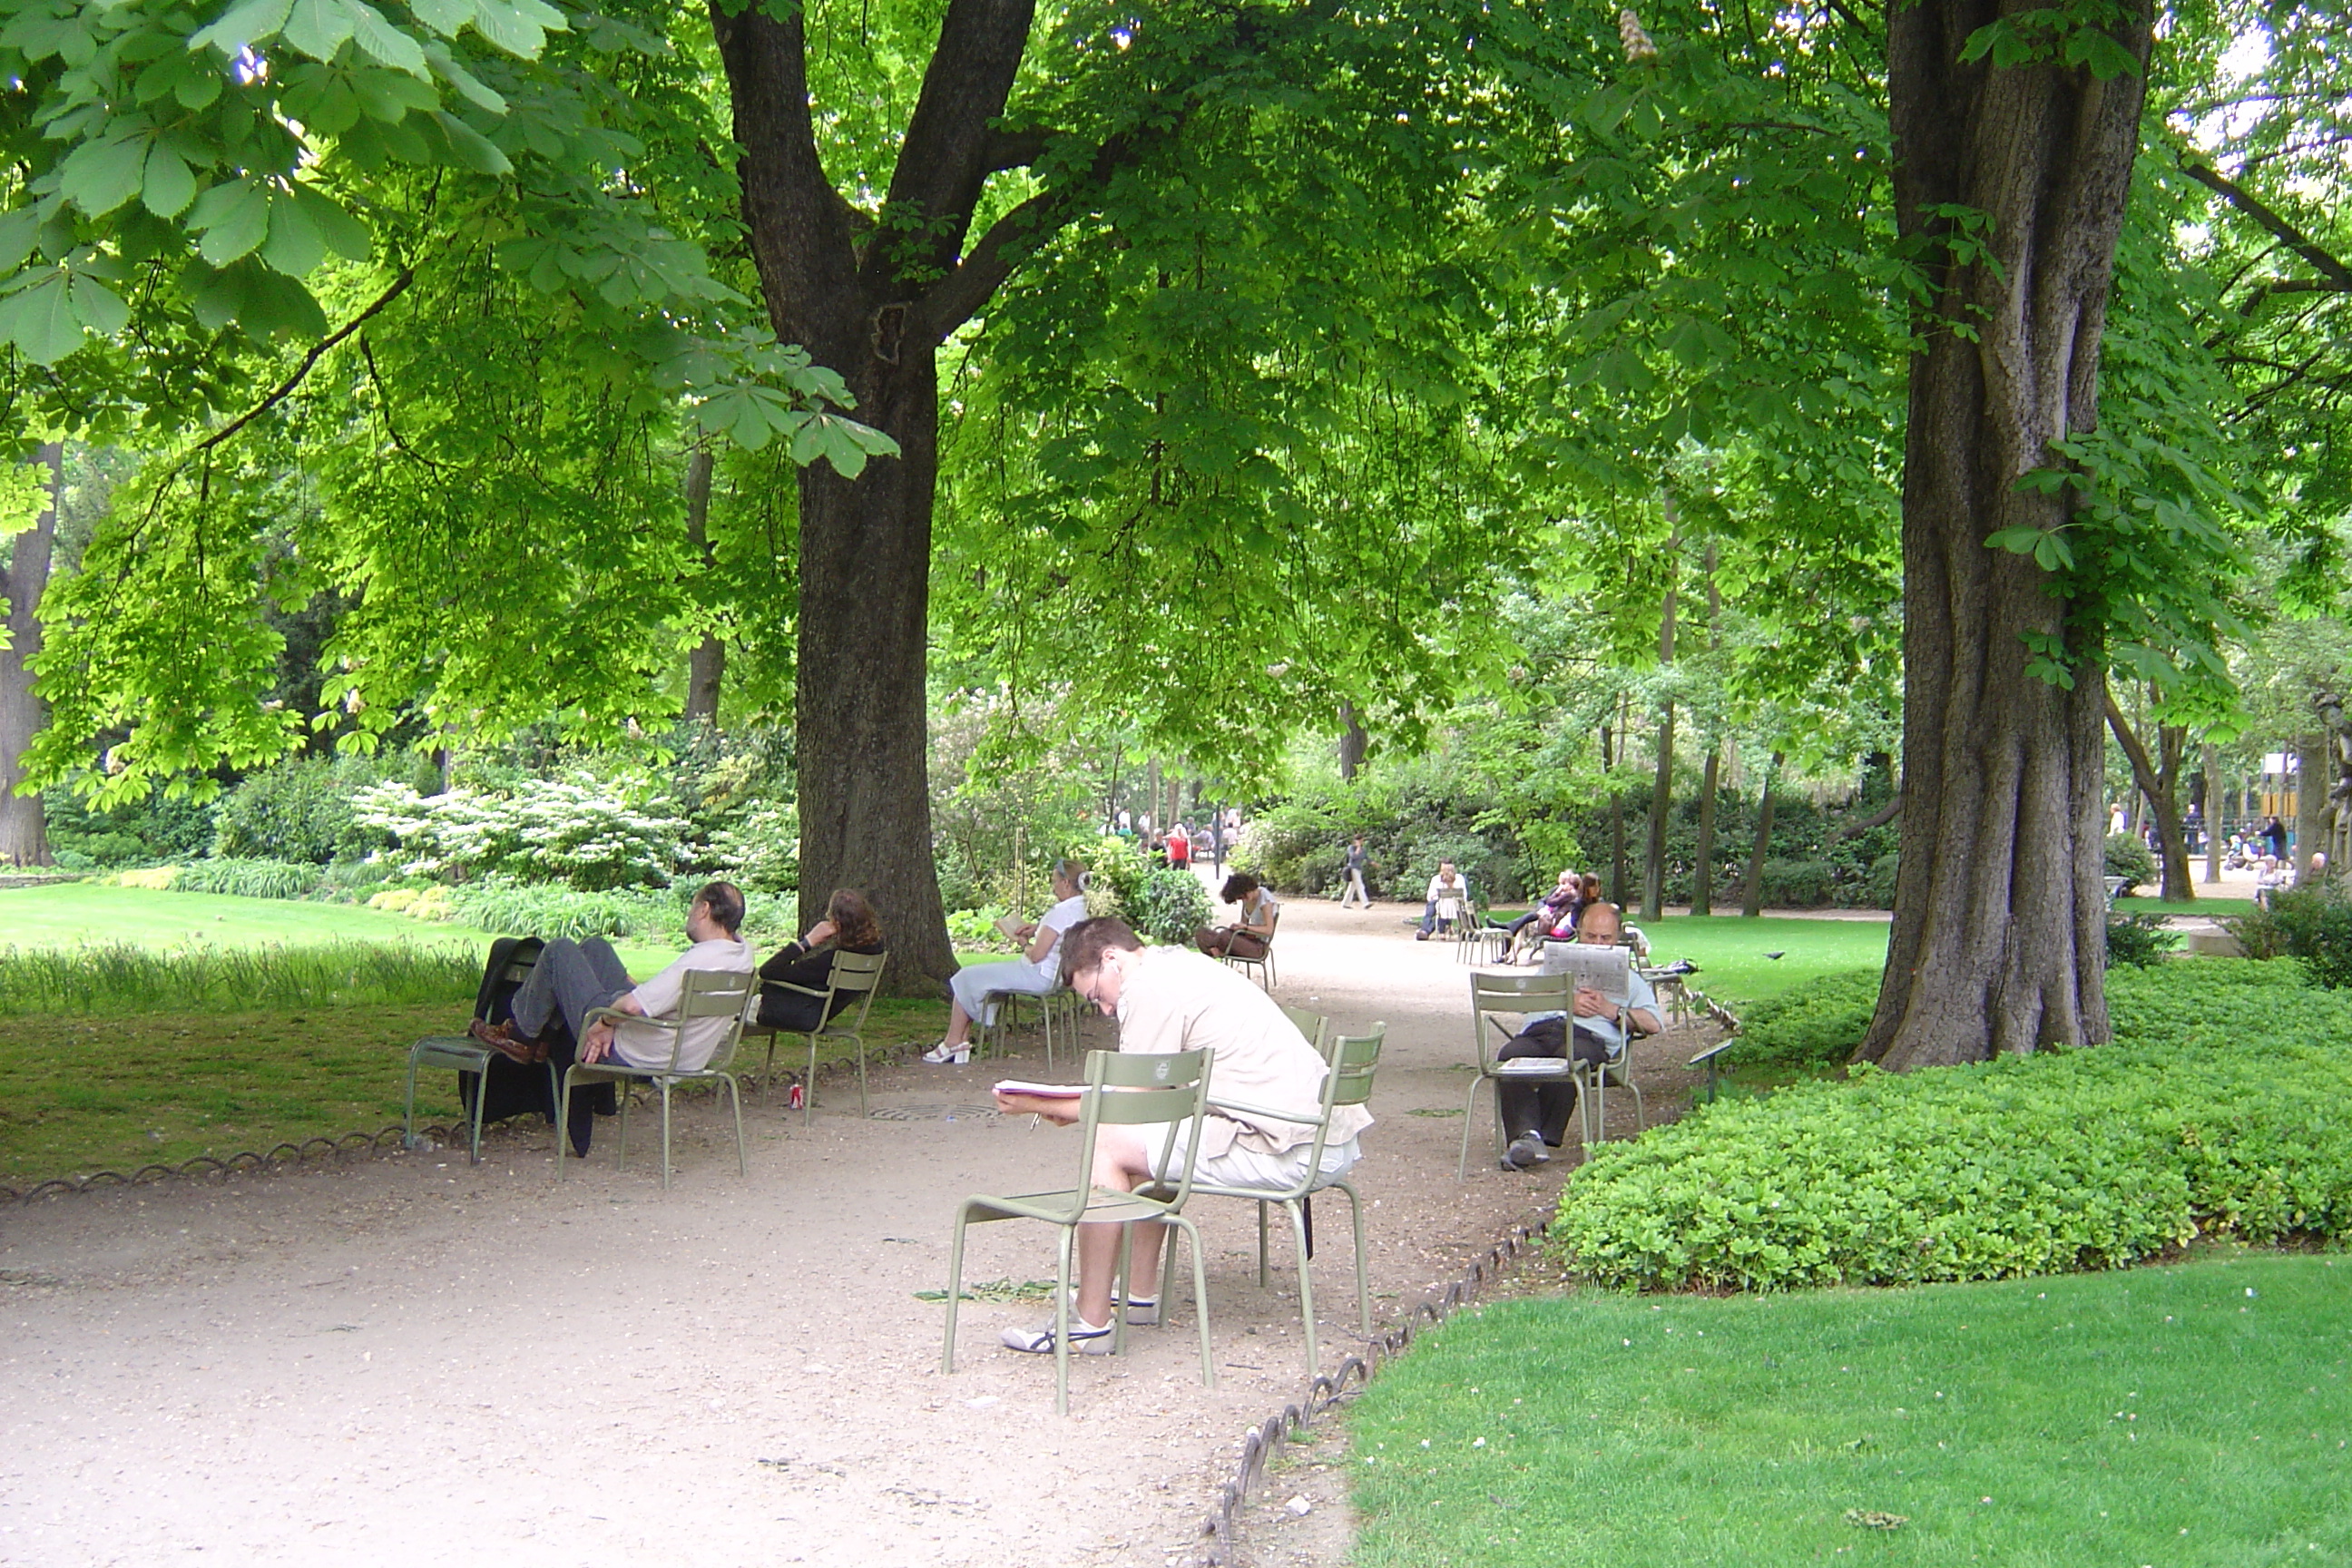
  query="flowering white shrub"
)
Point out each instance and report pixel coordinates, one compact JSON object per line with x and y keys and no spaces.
{"x":543,"y":830}
{"x":763,"y":852}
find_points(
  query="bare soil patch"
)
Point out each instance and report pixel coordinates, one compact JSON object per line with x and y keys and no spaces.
{"x":406,"y":1358}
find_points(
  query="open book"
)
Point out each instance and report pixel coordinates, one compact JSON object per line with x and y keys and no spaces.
{"x":1009,"y":926}
{"x":1041,"y":1090}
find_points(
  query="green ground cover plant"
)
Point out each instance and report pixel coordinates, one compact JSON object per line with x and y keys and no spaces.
{"x":2194,"y":1416}
{"x":2224,"y":1105}
{"x":121,"y":977}
{"x":1814,"y":1024}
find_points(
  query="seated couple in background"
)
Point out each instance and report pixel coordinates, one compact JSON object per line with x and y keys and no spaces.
{"x":542,"y":1020}
{"x":1037,"y":971}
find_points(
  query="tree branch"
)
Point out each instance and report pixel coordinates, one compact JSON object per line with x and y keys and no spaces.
{"x":1879,"y":818}
{"x":2142,"y":770}
{"x":318,"y":351}
{"x":2302,"y":244}
{"x":1015,"y":149}
{"x":960,"y":295}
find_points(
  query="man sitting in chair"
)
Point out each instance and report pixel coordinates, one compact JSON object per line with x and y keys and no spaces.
{"x":1170,"y":999}
{"x":1535,"y":1115}
{"x":573,"y":979}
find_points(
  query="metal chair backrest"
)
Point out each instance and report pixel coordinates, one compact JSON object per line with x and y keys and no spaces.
{"x":713,"y":993}
{"x":1314,"y":1026}
{"x":855,"y":972}
{"x":1142,"y":1090}
{"x":1354,"y":1059}
{"x":1514,"y":992}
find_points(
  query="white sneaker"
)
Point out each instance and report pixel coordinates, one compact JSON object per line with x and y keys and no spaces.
{"x":945,"y":1055}
{"x":1085,"y":1339}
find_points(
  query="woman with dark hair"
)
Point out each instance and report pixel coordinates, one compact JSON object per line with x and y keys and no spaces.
{"x":848,"y":926}
{"x":1588,"y":893}
{"x":1248,"y":937}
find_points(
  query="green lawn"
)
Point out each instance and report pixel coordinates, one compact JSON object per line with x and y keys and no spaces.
{"x":2180,"y":1416}
{"x":2214,"y":907}
{"x":1731,"y":950}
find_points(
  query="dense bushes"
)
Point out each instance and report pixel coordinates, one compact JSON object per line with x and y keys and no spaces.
{"x":1175,"y":907}
{"x":86,"y":837}
{"x":2314,"y":925}
{"x":2132,"y":861}
{"x":1814,"y":1024}
{"x":246,"y":878}
{"x":297,"y":811}
{"x":2225,"y":1105}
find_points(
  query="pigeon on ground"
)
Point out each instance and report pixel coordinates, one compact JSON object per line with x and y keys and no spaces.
{"x":1782,"y":953}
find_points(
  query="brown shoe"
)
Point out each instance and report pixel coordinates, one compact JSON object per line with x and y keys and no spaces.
{"x":500,"y":1038}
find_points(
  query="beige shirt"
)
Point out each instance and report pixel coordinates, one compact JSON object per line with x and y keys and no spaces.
{"x":1176,"y":999}
{"x":643,"y":1046}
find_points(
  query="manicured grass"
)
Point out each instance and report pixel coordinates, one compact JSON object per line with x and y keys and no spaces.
{"x":2182,"y":1416}
{"x":116,"y":1093}
{"x":1731,"y":950}
{"x":2214,"y":907}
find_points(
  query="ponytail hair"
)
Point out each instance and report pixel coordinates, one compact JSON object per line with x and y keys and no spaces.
{"x":1074,"y":873}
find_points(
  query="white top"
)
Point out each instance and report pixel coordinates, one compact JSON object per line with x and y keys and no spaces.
{"x":643,"y":1046}
{"x":1057,"y":920}
{"x":1442,"y":892}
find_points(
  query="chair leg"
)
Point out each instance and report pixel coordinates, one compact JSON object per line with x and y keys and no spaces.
{"x":1469,"y":1108}
{"x":621,"y":1152}
{"x":1306,"y":1283}
{"x":408,"y":1116}
{"x":863,"y":1112}
{"x":735,"y":1098}
{"x":1363,"y":1277}
{"x":1261,"y":1244}
{"x":768,"y":1073}
{"x":1200,"y":1301}
{"x":955,"y":1286}
{"x":665,"y":1091}
{"x":1061,"y":1324}
{"x":1119,"y":1289}
{"x":562,"y":1118}
{"x":1167,"y":1271}
{"x":808,"y":1090}
{"x":481,"y":1081}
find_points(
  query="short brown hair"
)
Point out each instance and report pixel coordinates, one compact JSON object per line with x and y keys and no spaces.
{"x":1084,"y":944}
{"x":725,"y":900}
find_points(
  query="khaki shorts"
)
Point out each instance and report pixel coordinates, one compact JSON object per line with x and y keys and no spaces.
{"x":1241,"y":1166}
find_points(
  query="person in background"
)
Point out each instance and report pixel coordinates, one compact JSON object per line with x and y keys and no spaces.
{"x":849,"y":926}
{"x":2273,"y":833}
{"x":1535,"y":1115}
{"x":1217,"y":841}
{"x":1250,"y":936}
{"x":1550,"y":911}
{"x":1180,"y":848}
{"x":1354,"y":893}
{"x":1448,"y":893}
{"x":1588,"y":894}
{"x":1035,"y":972}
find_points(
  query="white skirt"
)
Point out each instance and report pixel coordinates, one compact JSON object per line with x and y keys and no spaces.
{"x":975,"y":980}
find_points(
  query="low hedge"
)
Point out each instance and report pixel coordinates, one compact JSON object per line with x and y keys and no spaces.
{"x":1815,"y":1023}
{"x":2224,"y":1105}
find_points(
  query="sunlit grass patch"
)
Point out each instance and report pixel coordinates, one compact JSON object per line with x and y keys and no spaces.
{"x":2186,"y":1416}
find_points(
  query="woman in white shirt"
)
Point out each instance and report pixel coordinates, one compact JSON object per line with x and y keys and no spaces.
{"x":1037,"y":971}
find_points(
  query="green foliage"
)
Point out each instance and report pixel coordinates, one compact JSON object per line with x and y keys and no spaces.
{"x":118,"y":977}
{"x":2138,"y":940}
{"x":524,"y":908}
{"x":1119,"y":873}
{"x":300,"y":810}
{"x":2217,"y":1110}
{"x":1649,"y":1432}
{"x":2314,"y":925}
{"x":86,"y":837}
{"x":976,"y":928}
{"x":1817,"y":1024}
{"x":247,"y":879}
{"x":2130,"y":858}
{"x":761,"y":853}
{"x":580,"y":831}
{"x":1798,"y":884}
{"x":1175,"y":906}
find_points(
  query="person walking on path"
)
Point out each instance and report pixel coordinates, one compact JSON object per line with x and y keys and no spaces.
{"x":1354,"y":892}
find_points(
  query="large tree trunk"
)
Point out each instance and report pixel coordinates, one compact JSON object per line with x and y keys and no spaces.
{"x":1353,"y":742}
{"x":1654,"y":857}
{"x":2213,"y":760}
{"x":1751,"y":897}
{"x":1703,"y":874}
{"x":2160,"y":781}
{"x":2310,"y":803}
{"x":23,"y":829}
{"x":706,"y":662}
{"x":875,"y":313}
{"x":1998,"y":937}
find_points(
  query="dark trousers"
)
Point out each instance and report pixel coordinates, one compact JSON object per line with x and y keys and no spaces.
{"x":571,"y":980}
{"x":1544,"y":1108}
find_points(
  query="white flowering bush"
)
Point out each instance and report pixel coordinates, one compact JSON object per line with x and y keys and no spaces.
{"x":574,"y":831}
{"x":763,"y":852}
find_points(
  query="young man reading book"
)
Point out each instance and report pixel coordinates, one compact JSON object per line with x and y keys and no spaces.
{"x":1170,"y":999}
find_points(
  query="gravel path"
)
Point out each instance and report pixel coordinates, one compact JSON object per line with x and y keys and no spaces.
{"x":408,"y":1358}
